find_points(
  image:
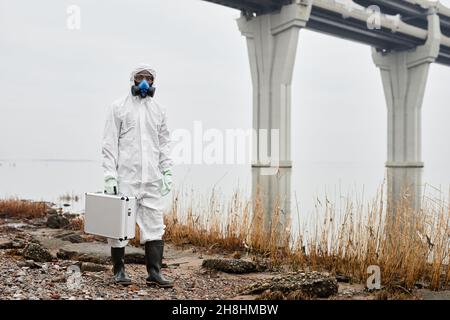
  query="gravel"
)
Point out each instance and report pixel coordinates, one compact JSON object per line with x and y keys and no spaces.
{"x":55,"y":281}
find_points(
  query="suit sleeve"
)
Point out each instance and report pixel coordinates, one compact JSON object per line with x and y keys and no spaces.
{"x":165,"y":160}
{"x":110,"y":146}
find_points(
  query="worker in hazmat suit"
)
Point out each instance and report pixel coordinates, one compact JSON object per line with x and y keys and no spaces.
{"x":136,"y":162}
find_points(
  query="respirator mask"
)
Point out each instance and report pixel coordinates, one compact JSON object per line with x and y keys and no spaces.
{"x":143,"y":89}
{"x":143,"y":84}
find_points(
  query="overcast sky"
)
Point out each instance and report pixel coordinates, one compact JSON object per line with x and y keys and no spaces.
{"x":56,"y":83}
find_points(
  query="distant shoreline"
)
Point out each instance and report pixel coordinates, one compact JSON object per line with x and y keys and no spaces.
{"x":48,"y":160}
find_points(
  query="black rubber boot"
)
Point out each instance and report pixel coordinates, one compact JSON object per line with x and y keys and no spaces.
{"x":153,"y":259}
{"x":118,"y":261}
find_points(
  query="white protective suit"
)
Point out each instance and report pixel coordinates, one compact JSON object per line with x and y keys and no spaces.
{"x":136,"y":150}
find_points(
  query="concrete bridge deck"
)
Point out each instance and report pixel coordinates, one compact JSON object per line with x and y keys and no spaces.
{"x":335,"y":18}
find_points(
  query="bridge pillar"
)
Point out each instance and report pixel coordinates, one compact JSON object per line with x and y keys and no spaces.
{"x":404,"y":75}
{"x":272,"y":46}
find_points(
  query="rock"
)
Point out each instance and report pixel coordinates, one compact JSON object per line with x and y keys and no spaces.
{"x":14,"y":252}
{"x":36,"y":252}
{"x":56,"y":221}
{"x":34,"y":240}
{"x":343,"y":278}
{"x":295,"y":286}
{"x":18,"y":244}
{"x":80,"y":256}
{"x":133,"y":288}
{"x":93,"y":267}
{"x":420,"y":285}
{"x":51,"y":211}
{"x":63,"y":234}
{"x":29,"y":264}
{"x":59,"y":279}
{"x":6,"y":244}
{"x":18,"y":296}
{"x":232,"y":265}
{"x":71,"y":216}
{"x":74,"y":238}
{"x":55,"y":296}
{"x":39,"y":222}
{"x":98,"y":253}
{"x":269,"y":295}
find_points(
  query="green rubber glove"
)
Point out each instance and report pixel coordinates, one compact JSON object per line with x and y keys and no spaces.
{"x":167,"y":182}
{"x":111,"y":186}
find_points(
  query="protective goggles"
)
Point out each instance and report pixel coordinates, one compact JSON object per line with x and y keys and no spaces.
{"x":141,"y":77}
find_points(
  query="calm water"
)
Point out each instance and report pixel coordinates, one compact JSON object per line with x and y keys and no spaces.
{"x":49,"y":180}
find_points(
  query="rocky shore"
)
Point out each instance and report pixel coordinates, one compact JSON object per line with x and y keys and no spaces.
{"x":42,"y":258}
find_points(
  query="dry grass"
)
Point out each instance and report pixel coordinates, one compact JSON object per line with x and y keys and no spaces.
{"x":230,"y":227}
{"x":22,"y":209}
{"x":203,"y":227}
{"x":408,"y":246}
{"x":76,"y":223}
